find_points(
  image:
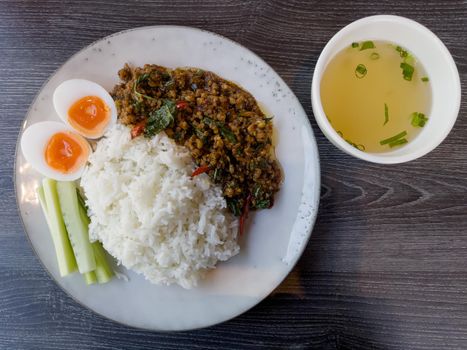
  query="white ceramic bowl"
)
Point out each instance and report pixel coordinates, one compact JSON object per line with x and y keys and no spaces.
{"x":438,"y":63}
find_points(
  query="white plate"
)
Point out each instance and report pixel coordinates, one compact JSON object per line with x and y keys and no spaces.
{"x":275,"y":238}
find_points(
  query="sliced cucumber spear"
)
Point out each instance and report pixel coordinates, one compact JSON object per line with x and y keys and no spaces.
{"x":49,"y":201}
{"x":76,"y":227}
{"x":90,"y":277}
{"x":103,"y":271}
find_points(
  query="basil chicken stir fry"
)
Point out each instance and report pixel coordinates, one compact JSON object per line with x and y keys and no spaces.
{"x":227,"y":134}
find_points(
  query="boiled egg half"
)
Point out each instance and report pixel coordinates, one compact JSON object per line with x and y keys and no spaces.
{"x":85,"y":106}
{"x":55,"y":150}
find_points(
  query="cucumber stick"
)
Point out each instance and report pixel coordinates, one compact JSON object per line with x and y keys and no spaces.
{"x":103,"y":271}
{"x":77,"y":229}
{"x":49,"y":201}
{"x":90,"y":277}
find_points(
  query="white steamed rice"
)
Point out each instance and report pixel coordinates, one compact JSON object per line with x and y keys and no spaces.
{"x":150,"y":214}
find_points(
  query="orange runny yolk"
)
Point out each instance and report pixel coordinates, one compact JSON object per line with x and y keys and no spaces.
{"x":89,"y":115}
{"x":65,"y":152}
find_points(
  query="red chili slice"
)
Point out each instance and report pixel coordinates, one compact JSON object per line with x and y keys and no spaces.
{"x":182,"y":105}
{"x":200,"y":170}
{"x":138,"y":129}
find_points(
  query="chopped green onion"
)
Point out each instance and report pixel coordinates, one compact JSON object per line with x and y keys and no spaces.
{"x":402,"y":52}
{"x":410,"y":60}
{"x":374,"y":56}
{"x":386,"y":114}
{"x":407,"y":71}
{"x":419,"y":119}
{"x":360,"y":147}
{"x":393,"y":138}
{"x":360,"y":71}
{"x":367,"y":45}
{"x":354,"y":45}
{"x":425,"y":79}
{"x":398,"y":143}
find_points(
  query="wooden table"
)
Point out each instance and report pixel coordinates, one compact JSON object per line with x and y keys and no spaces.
{"x":386,"y":266}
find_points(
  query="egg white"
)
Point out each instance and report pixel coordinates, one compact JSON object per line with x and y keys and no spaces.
{"x":70,"y":91}
{"x":33,"y":144}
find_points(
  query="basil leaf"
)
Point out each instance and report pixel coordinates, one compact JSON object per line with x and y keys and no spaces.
{"x":263,"y":204}
{"x":171,"y":105}
{"x":142,"y":78}
{"x":234,"y":206}
{"x":225,"y":131}
{"x":139,"y":80}
{"x":159,"y":120}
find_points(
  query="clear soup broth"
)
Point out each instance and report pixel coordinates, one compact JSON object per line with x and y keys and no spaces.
{"x":376,"y":95}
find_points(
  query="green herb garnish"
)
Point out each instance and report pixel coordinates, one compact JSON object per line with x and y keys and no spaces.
{"x":419,"y":119}
{"x":398,"y":143}
{"x":138,"y":81}
{"x":360,"y":147}
{"x":234,"y":206}
{"x":386,"y":114}
{"x":402,"y":52}
{"x":393,"y":138}
{"x":199,"y":134}
{"x":168,"y":84}
{"x":374,"y":56}
{"x":407,"y":71}
{"x":225,"y":131}
{"x":228,"y":134}
{"x":257,"y":191}
{"x":259,"y":147}
{"x":198,"y":73}
{"x":263,"y":204}
{"x":354,"y":45}
{"x":160,"y":119}
{"x":367,"y":45}
{"x":425,"y":79}
{"x":138,"y":107}
{"x":216,"y":172}
{"x":360,"y":71}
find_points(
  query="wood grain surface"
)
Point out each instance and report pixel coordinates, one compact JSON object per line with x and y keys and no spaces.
{"x":386,"y":267}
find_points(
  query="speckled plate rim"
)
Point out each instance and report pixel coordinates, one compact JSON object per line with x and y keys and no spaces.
{"x":310,"y":220}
